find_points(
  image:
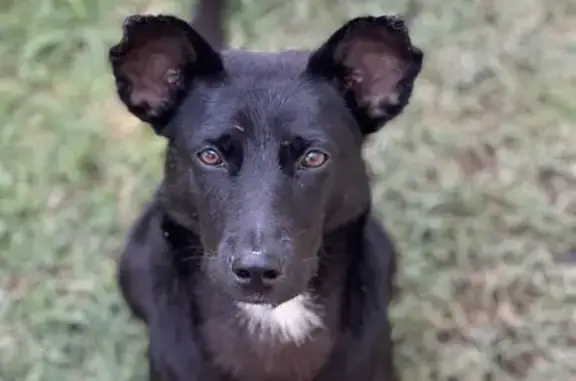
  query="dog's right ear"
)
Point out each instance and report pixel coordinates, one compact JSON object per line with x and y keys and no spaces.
{"x":155,"y":63}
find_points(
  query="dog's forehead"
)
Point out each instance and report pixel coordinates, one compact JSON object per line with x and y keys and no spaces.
{"x":267,"y":85}
{"x":263,"y":91}
{"x":286,"y":64}
{"x":267,"y":96}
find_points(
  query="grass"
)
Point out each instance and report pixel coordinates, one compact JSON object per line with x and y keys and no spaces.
{"x":476,"y":181}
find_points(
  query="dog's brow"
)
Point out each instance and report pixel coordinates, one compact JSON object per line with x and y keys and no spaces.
{"x":239,"y":127}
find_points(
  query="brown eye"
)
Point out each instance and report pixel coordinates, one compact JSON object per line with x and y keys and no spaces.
{"x":314,"y":159}
{"x":210,"y":157}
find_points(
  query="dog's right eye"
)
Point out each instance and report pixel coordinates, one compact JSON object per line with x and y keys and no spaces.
{"x":210,"y":157}
{"x":314,"y":159}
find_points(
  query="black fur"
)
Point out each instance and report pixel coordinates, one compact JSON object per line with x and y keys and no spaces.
{"x":262,"y":116}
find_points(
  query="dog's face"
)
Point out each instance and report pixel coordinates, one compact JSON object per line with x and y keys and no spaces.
{"x":264,"y":152}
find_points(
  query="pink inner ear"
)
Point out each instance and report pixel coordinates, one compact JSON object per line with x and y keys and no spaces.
{"x":152,"y":70}
{"x":376,"y":71}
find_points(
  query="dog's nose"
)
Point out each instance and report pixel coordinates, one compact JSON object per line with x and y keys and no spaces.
{"x":256,"y":269}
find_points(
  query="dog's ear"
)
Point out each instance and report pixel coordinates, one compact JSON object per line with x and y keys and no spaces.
{"x":155,"y":63}
{"x":372,"y":62}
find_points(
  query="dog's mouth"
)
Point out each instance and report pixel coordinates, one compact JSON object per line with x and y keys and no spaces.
{"x":272,"y":297}
{"x":258,"y":299}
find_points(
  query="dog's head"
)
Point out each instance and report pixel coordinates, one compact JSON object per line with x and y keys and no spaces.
{"x":264,"y":154}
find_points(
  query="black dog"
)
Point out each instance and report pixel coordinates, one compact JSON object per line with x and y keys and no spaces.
{"x":258,"y":259}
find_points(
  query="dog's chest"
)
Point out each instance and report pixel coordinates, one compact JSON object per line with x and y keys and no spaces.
{"x":260,"y":343}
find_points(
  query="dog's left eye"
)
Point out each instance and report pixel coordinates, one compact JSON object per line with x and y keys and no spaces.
{"x":314,"y":159}
{"x":210,"y":157}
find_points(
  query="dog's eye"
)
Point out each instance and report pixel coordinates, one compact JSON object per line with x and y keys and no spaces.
{"x":314,"y":159}
{"x":210,"y":157}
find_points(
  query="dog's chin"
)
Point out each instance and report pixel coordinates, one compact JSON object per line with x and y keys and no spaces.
{"x":270,"y":297}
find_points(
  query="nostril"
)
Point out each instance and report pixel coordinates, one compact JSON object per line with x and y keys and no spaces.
{"x":270,"y":274}
{"x":242,"y":274}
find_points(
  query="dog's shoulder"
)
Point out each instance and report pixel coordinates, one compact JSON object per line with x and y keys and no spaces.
{"x":376,"y":236}
{"x":133,"y":273}
{"x":381,"y":254}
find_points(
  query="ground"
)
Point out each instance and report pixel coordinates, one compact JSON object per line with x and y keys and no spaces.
{"x":476,"y":182}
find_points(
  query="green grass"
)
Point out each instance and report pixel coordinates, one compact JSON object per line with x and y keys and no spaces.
{"x":476,"y":181}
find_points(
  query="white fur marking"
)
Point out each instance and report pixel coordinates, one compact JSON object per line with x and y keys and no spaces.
{"x":291,"y":321}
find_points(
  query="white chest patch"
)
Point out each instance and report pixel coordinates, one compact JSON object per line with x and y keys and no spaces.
{"x":292,"y":321}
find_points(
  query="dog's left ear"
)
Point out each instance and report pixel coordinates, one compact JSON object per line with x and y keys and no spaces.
{"x":372,"y":62}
